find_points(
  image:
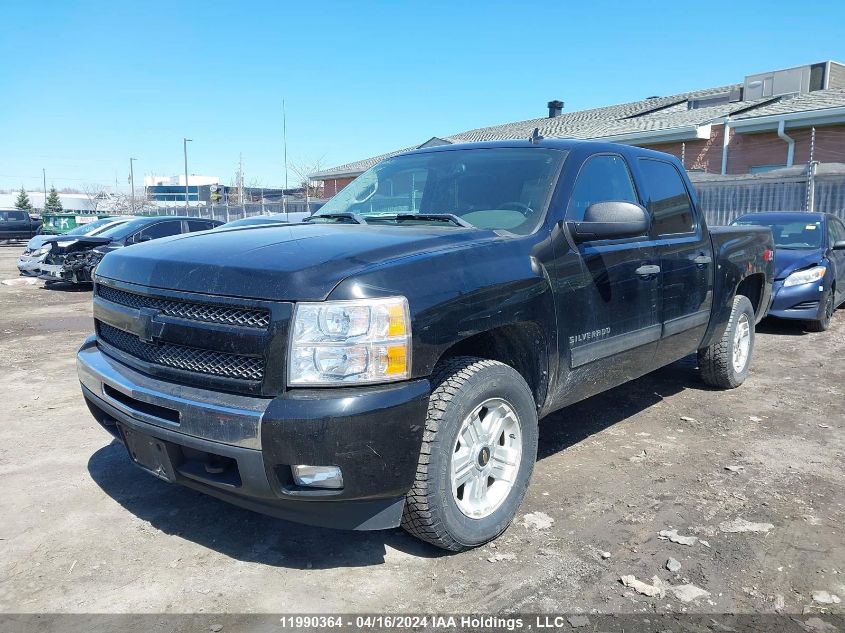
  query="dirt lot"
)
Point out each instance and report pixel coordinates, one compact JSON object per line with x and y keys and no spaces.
{"x":82,"y":530}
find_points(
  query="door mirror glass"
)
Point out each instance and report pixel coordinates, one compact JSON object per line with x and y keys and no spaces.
{"x":611,"y":220}
{"x":839,"y":245}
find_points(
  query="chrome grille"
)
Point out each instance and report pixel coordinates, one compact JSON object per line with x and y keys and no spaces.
{"x":209,"y":313}
{"x":191,"y":359}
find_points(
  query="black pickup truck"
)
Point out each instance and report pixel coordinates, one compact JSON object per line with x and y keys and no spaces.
{"x":18,"y":224}
{"x":386,"y":362}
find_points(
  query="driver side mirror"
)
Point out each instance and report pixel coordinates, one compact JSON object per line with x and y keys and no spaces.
{"x":609,"y":221}
{"x":839,"y":245}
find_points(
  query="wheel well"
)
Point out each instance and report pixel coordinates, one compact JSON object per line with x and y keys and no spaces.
{"x":752,"y":287}
{"x":521,"y":345}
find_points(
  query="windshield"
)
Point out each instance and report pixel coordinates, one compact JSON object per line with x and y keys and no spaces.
{"x":90,"y":228}
{"x":790,"y":234}
{"x":497,"y":188}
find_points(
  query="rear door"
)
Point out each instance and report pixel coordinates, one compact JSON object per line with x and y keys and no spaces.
{"x":686,"y":258}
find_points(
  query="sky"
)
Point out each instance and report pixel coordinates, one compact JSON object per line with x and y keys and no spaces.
{"x":87,"y":85}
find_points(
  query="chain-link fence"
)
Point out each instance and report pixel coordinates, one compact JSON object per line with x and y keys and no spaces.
{"x":820,"y":187}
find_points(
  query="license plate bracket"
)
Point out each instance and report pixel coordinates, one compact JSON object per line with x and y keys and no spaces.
{"x":148,"y":452}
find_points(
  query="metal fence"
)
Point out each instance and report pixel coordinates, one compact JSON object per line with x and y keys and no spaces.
{"x":722,"y":198}
{"x":725,"y":198}
{"x":227,"y":212}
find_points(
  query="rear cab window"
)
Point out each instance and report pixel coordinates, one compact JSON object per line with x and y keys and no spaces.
{"x":667,"y":198}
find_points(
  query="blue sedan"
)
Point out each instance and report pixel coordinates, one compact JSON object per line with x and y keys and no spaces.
{"x":809,"y":265}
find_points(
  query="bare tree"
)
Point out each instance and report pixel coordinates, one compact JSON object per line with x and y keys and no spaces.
{"x":95,"y":195}
{"x":303,"y":169}
{"x":123,"y":203}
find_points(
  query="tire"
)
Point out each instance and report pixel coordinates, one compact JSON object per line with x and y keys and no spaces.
{"x":454,"y":518}
{"x":717,"y":362}
{"x":828,"y":308}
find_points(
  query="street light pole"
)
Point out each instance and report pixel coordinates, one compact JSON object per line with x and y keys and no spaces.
{"x":132,"y":184}
{"x":185,"y":142}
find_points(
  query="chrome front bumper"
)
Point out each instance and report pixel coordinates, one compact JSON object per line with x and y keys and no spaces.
{"x":211,"y":415}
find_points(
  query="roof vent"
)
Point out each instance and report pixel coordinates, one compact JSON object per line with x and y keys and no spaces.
{"x":555,"y":108}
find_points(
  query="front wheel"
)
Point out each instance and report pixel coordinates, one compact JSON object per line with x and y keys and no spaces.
{"x":725,"y":363}
{"x":828,"y":307}
{"x":478,"y":453}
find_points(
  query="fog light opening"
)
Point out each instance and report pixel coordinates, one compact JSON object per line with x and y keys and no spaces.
{"x":317,"y":476}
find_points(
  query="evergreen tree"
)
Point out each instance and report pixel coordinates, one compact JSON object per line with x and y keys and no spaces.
{"x":53,"y":204}
{"x":23,"y":202}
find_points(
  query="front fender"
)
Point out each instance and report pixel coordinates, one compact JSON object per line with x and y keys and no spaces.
{"x":457,"y":294}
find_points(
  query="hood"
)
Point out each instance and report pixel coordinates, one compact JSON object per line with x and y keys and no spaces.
{"x":37,"y":242}
{"x":73,"y":243}
{"x":296,"y":262}
{"x":787,"y":261}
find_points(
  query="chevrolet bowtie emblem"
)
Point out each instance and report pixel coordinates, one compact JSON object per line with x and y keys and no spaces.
{"x":145,"y":331}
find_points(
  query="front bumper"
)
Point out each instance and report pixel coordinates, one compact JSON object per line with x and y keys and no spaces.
{"x":30,"y":265}
{"x":802,"y":302}
{"x":373,"y":434}
{"x":52,"y":272}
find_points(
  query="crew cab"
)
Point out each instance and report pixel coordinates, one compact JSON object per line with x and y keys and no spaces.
{"x":387,"y":361}
{"x":18,"y":224}
{"x":74,"y":260}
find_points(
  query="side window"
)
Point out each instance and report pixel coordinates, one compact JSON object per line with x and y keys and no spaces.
{"x":160,"y":229}
{"x":838,"y":230}
{"x":199,"y":225}
{"x":602,"y":178}
{"x":668,"y":200}
{"x":13,"y":216}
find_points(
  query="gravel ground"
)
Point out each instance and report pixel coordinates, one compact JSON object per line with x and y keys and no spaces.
{"x":82,"y":530}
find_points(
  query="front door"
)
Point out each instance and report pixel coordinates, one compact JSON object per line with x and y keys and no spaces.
{"x":836,"y":233}
{"x":607,"y":291}
{"x":686,"y":259}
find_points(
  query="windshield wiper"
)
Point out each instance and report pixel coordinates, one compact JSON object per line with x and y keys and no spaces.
{"x":345,"y":215}
{"x":437,"y":217}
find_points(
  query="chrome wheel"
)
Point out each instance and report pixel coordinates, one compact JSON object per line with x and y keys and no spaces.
{"x":742,"y":343}
{"x":485,"y":458}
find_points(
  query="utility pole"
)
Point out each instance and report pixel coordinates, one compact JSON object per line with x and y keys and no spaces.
{"x":132,"y":185}
{"x":185,"y":142}
{"x":810,"y":201}
{"x":241,"y":199}
{"x":44,"y":175}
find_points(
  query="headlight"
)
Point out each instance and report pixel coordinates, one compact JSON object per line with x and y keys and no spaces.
{"x":346,"y":342}
{"x":805,"y":276}
{"x":43,"y":250}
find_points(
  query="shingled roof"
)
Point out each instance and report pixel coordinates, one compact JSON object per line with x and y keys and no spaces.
{"x":650,"y":120}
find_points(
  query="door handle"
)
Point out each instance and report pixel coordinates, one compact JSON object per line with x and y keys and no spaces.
{"x":702,"y":260}
{"x":647,"y":271}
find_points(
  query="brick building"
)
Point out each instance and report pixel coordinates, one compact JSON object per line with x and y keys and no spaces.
{"x":768,"y":121}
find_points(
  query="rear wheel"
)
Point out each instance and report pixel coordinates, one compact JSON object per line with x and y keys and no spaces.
{"x":725,"y":363}
{"x":478,"y":453}
{"x":828,"y":307}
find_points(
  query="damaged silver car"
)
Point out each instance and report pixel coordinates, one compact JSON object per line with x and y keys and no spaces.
{"x":37,"y":248}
